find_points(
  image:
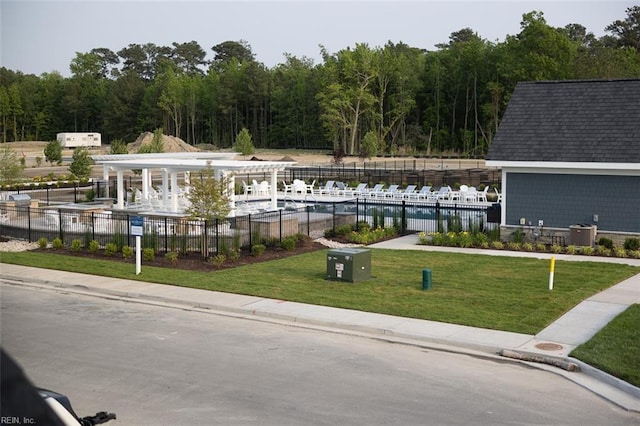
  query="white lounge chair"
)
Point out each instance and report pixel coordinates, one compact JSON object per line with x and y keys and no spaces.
{"x":376,"y":191}
{"x":326,"y":189}
{"x":406,"y":193}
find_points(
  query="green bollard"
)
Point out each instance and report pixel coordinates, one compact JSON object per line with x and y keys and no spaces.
{"x":426,"y":279}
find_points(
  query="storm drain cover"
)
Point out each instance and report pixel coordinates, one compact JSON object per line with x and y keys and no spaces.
{"x":549,"y":346}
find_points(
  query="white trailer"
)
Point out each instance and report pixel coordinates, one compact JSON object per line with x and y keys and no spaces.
{"x":73,"y":140}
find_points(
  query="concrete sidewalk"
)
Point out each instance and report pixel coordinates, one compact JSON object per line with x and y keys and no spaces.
{"x":551,"y":346}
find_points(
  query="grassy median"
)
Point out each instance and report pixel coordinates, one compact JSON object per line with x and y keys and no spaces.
{"x":501,"y":293}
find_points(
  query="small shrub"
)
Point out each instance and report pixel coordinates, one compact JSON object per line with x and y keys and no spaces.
{"x":258,"y":249}
{"x":217,"y":260}
{"x":620,"y":252}
{"x":76,"y":245}
{"x":632,"y":244}
{"x":557,"y":249}
{"x":127,"y":252}
{"x":94,"y":246}
{"x":233,"y":254}
{"x":498,"y":245}
{"x":571,"y":249}
{"x":603,"y":251}
{"x":437,"y":238}
{"x":480,"y":240}
{"x":288,"y":243}
{"x":634,"y":254}
{"x":172,"y":257}
{"x":527,"y":246}
{"x":43,"y":243}
{"x":343,"y":230}
{"x":148,"y":254}
{"x":514,"y":246}
{"x":587,"y":251}
{"x":111,"y":249}
{"x":465,"y":240}
{"x":541,"y":248}
{"x":605,"y":242}
{"x":57,"y":244}
{"x":518,"y":236}
{"x":423,"y":239}
{"x":363,"y":226}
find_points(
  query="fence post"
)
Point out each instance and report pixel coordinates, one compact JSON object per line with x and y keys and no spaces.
{"x":29,"y":222}
{"x":438,"y":216}
{"x":280,"y":224}
{"x":333,"y":216}
{"x":403,"y":227}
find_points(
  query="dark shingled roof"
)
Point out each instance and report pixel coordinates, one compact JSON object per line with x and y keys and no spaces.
{"x":571,"y":121}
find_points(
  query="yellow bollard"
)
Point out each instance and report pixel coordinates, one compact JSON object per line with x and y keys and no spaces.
{"x":552,"y":271}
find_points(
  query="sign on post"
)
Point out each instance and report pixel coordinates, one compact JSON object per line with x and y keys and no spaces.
{"x":137,"y":229}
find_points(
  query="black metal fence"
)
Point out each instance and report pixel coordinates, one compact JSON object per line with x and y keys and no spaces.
{"x":169,"y":233}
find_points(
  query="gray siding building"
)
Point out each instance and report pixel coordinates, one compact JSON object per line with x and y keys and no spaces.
{"x":570,"y":155}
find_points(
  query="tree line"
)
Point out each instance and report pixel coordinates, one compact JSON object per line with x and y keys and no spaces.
{"x":362,"y":100}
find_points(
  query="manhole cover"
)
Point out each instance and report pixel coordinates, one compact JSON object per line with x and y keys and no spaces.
{"x":549,"y":346}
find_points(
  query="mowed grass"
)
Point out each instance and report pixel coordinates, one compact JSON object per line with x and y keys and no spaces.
{"x":616,"y":348}
{"x":502,"y":293}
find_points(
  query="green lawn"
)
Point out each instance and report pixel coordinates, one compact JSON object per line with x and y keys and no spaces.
{"x":502,"y":293}
{"x":616,"y":348}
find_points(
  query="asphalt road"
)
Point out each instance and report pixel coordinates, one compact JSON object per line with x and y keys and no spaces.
{"x":164,"y":366}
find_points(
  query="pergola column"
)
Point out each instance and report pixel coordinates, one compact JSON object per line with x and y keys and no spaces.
{"x":120,"y":185}
{"x":274,"y":189}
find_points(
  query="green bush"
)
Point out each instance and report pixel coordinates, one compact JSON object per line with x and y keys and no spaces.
{"x":94,"y":246}
{"x":571,"y":249}
{"x":76,"y":245}
{"x":43,"y":243}
{"x":258,"y":249}
{"x":172,"y":257}
{"x":620,"y":252}
{"x":343,"y":230}
{"x":288,"y":243}
{"x":57,"y":244}
{"x":498,"y":245}
{"x":587,"y":251}
{"x":127,"y":252}
{"x":514,"y":245}
{"x":603,"y":251}
{"x":148,"y":254}
{"x":111,"y":249}
{"x":605,"y":242}
{"x":518,"y":236}
{"x":632,"y":244}
{"x":217,"y":260}
{"x":557,"y":249}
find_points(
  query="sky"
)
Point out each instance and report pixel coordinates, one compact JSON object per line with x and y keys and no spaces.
{"x":44,"y":36}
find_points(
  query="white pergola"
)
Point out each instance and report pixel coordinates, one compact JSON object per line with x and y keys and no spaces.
{"x":170,"y":164}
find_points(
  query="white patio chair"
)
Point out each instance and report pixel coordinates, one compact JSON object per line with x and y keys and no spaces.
{"x":471,"y":195}
{"x":326,"y":188}
{"x":247,"y":189}
{"x":391,"y":191}
{"x":423,"y":194}
{"x":405,"y":193}
{"x":359,"y":190}
{"x":482,"y":195}
{"x":375,"y":192}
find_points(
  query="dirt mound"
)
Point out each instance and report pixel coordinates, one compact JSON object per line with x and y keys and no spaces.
{"x":170,"y":143}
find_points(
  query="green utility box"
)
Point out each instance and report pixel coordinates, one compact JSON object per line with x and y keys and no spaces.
{"x":349,"y":264}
